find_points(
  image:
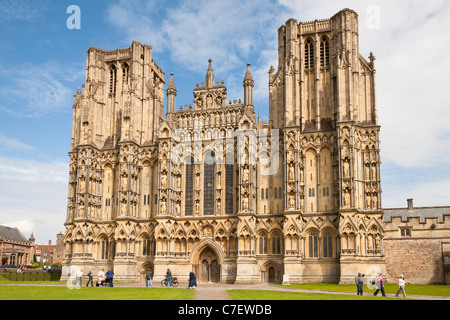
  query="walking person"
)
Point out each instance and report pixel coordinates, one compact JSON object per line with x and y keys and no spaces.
{"x":90,"y":278}
{"x":109,"y":277}
{"x":401,"y":286}
{"x":380,"y":286}
{"x":78,"y":278}
{"x":168,"y":278}
{"x":101,"y":278}
{"x":359,"y":284}
{"x":192,"y":281}
{"x":149,"y":277}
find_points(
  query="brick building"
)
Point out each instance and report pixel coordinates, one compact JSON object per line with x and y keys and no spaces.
{"x":417,"y":244}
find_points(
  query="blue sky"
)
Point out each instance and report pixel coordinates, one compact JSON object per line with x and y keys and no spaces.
{"x":42,"y":64}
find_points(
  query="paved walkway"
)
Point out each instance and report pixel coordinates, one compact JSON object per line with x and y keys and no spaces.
{"x":218,"y":291}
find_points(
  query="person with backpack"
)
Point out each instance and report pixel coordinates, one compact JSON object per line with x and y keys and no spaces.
{"x":109,"y":277}
{"x":149,"y":277}
{"x":359,"y":284}
{"x":380,"y":286}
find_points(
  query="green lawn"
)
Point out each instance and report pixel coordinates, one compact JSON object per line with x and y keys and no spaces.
{"x":86,"y":293}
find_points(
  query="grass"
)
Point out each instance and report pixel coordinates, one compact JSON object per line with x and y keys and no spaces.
{"x":411,"y":289}
{"x":283,"y":295}
{"x":87,"y":293}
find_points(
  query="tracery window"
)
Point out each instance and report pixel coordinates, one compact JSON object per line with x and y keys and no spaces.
{"x":125,"y":73}
{"x":229,"y":168}
{"x":209,"y":175}
{"x":189,"y":189}
{"x":324,"y":52}
{"x":146,"y":247}
{"x":263,"y":243}
{"x":309,"y":54}
{"x":112,"y":79}
{"x":105,"y":249}
{"x":313,"y":245}
{"x":276,"y":243}
{"x":327,"y":245}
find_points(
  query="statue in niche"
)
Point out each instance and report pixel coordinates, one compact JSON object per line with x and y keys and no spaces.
{"x":82,"y":184}
{"x":346,"y":168}
{"x":368,"y":201}
{"x":374,"y":202}
{"x":245,"y":203}
{"x":245,"y":175}
{"x":347,"y":198}
{"x":81,"y":209}
{"x":291,"y":172}
{"x":163,"y":206}
{"x":178,"y":182}
{"x":123,"y":207}
{"x":197,"y":181}
{"x":209,"y":102}
{"x":374,"y":172}
{"x":163,"y":181}
{"x":197,"y":207}
{"x":85,"y":132}
{"x":292,"y":201}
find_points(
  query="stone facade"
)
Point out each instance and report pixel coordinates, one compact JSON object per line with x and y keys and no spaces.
{"x":211,"y":188}
{"x":15,"y":249}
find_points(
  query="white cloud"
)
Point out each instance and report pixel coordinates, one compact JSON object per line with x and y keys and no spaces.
{"x":15,"y":143}
{"x":34,"y":90}
{"x":33,"y":171}
{"x":33,"y":196}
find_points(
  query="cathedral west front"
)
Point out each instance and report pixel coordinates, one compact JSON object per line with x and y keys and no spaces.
{"x":208,"y":187}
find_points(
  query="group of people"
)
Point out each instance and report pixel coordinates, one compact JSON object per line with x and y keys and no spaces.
{"x":379,"y":283}
{"x":102,"y":278}
{"x":168,"y":279}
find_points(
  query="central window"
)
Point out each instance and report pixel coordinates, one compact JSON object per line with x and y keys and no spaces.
{"x":208,"y":183}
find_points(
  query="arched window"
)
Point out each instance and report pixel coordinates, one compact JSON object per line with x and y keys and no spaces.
{"x":146,"y":247}
{"x":263,"y":243}
{"x":189,"y":189}
{"x":112,"y":79}
{"x":309,"y":54}
{"x":262,"y":193}
{"x":125,"y":73}
{"x":327,"y":245}
{"x":279,"y":193}
{"x":276,"y":243}
{"x":313,"y":245}
{"x":208,"y":183}
{"x":324,"y":52}
{"x":105,"y":249}
{"x":229,"y":168}
{"x":267,"y":194}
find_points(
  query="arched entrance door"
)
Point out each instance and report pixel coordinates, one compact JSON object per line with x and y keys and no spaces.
{"x":209,"y":269}
{"x":271,"y":275}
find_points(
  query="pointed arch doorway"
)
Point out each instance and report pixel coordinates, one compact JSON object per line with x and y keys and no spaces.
{"x":208,"y":267}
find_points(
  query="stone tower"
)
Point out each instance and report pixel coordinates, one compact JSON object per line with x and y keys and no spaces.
{"x":323,"y":98}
